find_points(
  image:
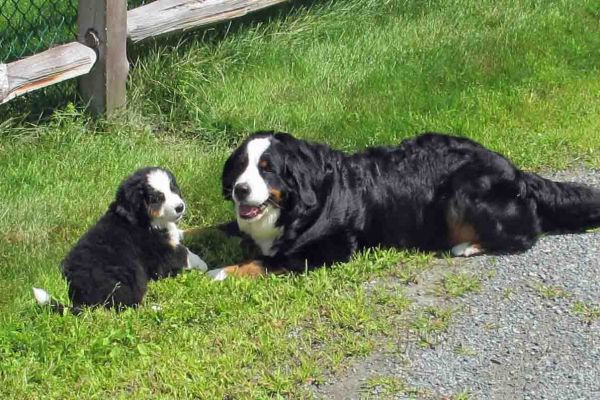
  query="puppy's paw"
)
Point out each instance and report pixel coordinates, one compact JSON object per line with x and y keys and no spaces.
{"x":195,"y":262}
{"x":466,"y":249}
{"x":218,"y":274}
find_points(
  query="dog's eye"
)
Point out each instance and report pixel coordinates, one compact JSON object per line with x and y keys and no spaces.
{"x":155,"y":198}
{"x":265,"y":166}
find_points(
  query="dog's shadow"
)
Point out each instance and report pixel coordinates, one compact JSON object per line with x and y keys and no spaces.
{"x":219,"y":245}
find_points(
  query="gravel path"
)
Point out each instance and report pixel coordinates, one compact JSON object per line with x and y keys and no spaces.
{"x":511,"y":340}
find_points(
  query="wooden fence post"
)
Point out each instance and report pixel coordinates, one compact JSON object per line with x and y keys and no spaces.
{"x":102,"y":25}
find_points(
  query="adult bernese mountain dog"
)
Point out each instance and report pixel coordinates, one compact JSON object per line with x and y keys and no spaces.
{"x":305,"y":205}
{"x":137,"y":240}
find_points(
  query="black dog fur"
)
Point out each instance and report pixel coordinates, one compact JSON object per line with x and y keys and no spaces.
{"x":112,"y":263}
{"x":431,"y":192}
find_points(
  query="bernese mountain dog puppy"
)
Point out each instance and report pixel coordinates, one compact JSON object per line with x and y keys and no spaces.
{"x":137,"y":240}
{"x":306,"y":205}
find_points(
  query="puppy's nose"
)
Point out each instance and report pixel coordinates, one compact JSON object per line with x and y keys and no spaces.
{"x":180,"y":208}
{"x":241,"y":191}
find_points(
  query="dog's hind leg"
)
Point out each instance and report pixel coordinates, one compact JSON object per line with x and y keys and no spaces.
{"x":490,"y":214}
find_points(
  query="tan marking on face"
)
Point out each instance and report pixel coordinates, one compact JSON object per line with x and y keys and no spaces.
{"x":153,"y":212}
{"x":275,"y":195}
{"x":251,"y":269}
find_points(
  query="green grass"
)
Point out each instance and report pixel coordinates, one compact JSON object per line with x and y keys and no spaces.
{"x":387,"y":387}
{"x":589,"y":312}
{"x":458,"y":284}
{"x":519,"y":76}
{"x":551,"y":292}
{"x":464,"y":351}
{"x":464,"y":395}
{"x":429,"y":324}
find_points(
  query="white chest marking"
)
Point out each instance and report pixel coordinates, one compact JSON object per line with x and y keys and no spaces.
{"x":174,"y":233}
{"x":263,"y":231}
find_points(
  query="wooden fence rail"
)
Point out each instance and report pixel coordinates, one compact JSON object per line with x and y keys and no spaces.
{"x":100,"y":57}
{"x":167,"y":16}
{"x":44,"y":69}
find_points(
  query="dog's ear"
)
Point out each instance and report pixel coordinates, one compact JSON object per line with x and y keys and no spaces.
{"x":302,"y":172}
{"x":286,"y":138}
{"x":126,"y":213}
{"x":296,"y":174}
{"x":303,"y":167}
{"x":130,"y":202}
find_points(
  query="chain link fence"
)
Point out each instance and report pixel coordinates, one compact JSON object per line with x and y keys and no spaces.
{"x":31,"y":26}
{"x":28,"y":27}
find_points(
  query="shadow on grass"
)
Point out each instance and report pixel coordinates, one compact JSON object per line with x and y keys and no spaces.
{"x":219,"y":245}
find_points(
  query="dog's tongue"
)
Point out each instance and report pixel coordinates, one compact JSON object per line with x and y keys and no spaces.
{"x":247,"y":211}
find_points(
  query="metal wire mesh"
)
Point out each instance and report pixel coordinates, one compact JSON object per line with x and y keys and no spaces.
{"x":30,"y":26}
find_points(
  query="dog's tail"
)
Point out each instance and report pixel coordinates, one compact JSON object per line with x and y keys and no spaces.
{"x":44,"y":299}
{"x":564,"y":206}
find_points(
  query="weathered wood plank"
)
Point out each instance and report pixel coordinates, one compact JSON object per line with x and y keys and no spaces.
{"x":44,"y":69}
{"x":102,"y":24}
{"x":166,"y":16}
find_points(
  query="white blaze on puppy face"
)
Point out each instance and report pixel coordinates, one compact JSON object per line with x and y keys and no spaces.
{"x":259,"y":191}
{"x":172,"y":207}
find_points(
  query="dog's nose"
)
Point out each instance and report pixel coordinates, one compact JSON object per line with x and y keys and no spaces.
{"x":180,"y":208}
{"x":241,"y":191}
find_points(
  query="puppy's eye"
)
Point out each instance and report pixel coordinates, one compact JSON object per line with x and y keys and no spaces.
{"x":155,"y":198}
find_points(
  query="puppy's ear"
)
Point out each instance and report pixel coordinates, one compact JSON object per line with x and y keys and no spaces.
{"x":126,"y":213}
{"x":129,"y":201}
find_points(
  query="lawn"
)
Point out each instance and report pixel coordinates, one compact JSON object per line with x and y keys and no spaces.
{"x":522,"y":77}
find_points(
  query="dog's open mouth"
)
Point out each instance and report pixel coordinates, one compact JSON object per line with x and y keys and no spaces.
{"x":248,"y":211}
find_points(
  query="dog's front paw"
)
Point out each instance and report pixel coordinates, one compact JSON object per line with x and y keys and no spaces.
{"x":195,"y":262}
{"x":218,"y":274}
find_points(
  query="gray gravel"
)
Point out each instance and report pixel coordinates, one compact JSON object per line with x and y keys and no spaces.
{"x":508,"y":341}
{"x":520,"y":344}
